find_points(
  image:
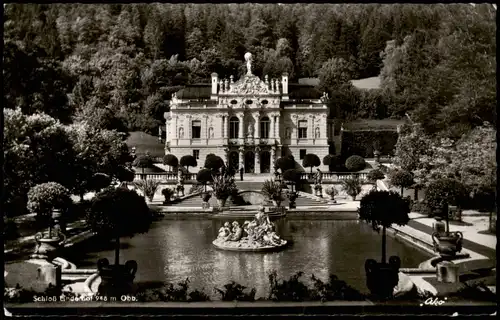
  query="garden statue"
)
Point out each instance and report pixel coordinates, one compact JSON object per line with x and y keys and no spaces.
{"x":256,"y":235}
{"x":318,"y":177}
{"x":250,"y":131}
{"x":317,"y":134}
{"x":248,"y":59}
{"x":224,"y":231}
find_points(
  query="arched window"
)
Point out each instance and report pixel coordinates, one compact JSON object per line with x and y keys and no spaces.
{"x":264,"y":128}
{"x":234,"y":126}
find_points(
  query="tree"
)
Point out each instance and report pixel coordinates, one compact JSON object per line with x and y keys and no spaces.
{"x":401,"y":178}
{"x":37,"y":149}
{"x":311,"y":160}
{"x":170,"y":160}
{"x":44,"y":198}
{"x":333,"y":74}
{"x":36,"y":85}
{"x":382,"y":209}
{"x":332,"y":161}
{"x":214,"y":163}
{"x":285,"y":163}
{"x":293,"y":176}
{"x":188,"y":161}
{"x":119,"y":213}
{"x":100,"y":181}
{"x":375,"y":175}
{"x":352,"y":186}
{"x":204,"y":176}
{"x":355,"y":163}
{"x":143,"y":161}
{"x":444,"y":192}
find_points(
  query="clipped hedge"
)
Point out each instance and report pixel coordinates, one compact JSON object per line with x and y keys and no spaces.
{"x":355,"y":163}
{"x":361,"y":142}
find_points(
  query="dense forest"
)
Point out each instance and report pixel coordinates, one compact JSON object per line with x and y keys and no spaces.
{"x":115,"y":66}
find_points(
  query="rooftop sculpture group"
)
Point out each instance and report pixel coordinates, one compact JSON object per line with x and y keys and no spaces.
{"x":260,"y":235}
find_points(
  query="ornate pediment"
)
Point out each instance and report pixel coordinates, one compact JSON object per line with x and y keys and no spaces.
{"x":249,"y":85}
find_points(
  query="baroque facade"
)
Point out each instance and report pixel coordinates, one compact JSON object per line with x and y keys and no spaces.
{"x":249,"y":123}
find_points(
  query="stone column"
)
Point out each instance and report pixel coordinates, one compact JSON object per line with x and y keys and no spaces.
{"x":271,"y":133}
{"x":257,"y":159}
{"x":205,"y":127}
{"x":241,"y":133}
{"x":277,"y":127}
{"x":242,"y":157}
{"x":256,"y":127}
{"x":222,"y":130}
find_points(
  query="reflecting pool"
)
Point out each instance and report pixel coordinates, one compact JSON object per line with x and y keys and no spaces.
{"x":176,"y":249}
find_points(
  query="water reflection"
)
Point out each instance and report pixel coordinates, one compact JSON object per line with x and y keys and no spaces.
{"x":176,"y":249}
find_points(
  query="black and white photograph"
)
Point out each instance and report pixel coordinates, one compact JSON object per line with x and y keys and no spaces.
{"x":264,"y":159}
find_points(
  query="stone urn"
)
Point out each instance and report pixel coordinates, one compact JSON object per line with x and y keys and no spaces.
{"x":205,"y":196}
{"x":382,"y":278}
{"x":180,"y":190}
{"x":47,"y":247}
{"x":292,"y":196}
{"x":221,"y":203}
{"x":447,"y":244}
{"x":319,"y":190}
{"x":376,"y":154}
{"x":116,"y":280}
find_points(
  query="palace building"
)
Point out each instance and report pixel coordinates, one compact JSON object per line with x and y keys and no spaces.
{"x":249,"y":123}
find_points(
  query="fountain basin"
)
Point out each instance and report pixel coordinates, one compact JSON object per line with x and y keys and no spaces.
{"x":244,"y":246}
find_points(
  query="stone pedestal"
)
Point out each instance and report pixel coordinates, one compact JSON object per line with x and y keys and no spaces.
{"x":46,"y":248}
{"x":116,"y":280}
{"x":50,"y":275}
{"x":447,"y":272}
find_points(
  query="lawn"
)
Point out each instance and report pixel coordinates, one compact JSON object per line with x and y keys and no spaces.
{"x":144,"y":142}
{"x":367,"y":83}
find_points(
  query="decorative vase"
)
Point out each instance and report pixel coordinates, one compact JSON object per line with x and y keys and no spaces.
{"x":206,"y":197}
{"x":221,"y":202}
{"x":116,"y":280}
{"x":381,"y":278}
{"x":447,"y":244}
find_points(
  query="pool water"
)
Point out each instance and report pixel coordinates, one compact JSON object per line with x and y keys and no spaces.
{"x":174,"y":250}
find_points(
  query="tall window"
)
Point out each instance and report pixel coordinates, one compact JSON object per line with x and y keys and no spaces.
{"x":264,"y":128}
{"x":302,"y":129}
{"x":302,"y":153}
{"x":196,"y":129}
{"x":196,"y":154}
{"x":234,"y":126}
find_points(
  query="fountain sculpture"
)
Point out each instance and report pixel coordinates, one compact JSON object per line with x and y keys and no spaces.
{"x":260,"y":235}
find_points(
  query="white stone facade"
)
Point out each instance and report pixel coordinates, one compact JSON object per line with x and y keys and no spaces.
{"x":248,"y":123}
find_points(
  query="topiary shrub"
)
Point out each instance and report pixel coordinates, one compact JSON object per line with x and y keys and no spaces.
{"x":442,"y":193}
{"x":285,"y":163}
{"x":143,"y":161}
{"x":188,"y":161}
{"x":382,"y":209}
{"x":355,"y":163}
{"x":401,"y":178}
{"x":213,"y":162}
{"x":119,"y":213}
{"x":311,"y":160}
{"x":44,"y":198}
{"x":334,"y":162}
{"x":170,"y":160}
{"x":292,"y":175}
{"x":204,"y":176}
{"x":99,"y":181}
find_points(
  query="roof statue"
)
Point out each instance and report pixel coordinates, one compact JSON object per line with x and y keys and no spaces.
{"x":248,"y":59}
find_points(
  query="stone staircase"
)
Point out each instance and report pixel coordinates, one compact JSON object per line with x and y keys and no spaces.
{"x":303,"y":200}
